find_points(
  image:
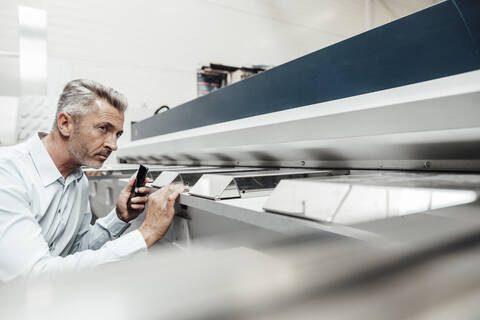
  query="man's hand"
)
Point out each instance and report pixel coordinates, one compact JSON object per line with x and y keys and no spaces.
{"x":128,"y":207}
{"x":159,"y":213}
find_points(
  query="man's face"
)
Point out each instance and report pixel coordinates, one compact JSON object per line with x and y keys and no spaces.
{"x":95,"y":134}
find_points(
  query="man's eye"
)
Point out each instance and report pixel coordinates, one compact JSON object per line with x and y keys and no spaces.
{"x":119,"y":134}
{"x":103,"y":128}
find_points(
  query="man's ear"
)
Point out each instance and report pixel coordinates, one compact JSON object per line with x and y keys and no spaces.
{"x":65,"y":124}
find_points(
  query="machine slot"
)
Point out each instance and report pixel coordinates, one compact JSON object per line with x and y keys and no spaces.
{"x":190,"y":176}
{"x":250,"y":184}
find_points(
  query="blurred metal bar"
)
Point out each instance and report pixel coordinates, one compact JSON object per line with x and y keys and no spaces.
{"x":9,"y":54}
{"x":33,"y":50}
{"x":34,"y":110}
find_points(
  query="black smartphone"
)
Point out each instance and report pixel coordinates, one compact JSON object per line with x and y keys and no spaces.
{"x":140,"y":180}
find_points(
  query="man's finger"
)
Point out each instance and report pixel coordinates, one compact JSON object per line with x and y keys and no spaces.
{"x":174,"y":195}
{"x":176,"y":190}
{"x":182,"y":187}
{"x":144,"y":190}
{"x":139,"y":199}
{"x":137,"y":206}
{"x":178,"y":187}
{"x":131,"y":182}
{"x":169,"y":206}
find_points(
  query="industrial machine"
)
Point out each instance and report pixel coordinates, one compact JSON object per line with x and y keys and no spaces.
{"x":380,"y":126}
{"x":360,"y":160}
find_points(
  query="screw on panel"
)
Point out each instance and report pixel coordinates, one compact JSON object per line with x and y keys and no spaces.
{"x":427,"y":164}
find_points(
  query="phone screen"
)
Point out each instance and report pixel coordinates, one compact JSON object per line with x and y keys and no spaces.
{"x":140,"y":180}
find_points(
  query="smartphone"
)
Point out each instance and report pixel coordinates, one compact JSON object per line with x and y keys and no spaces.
{"x":140,"y":180}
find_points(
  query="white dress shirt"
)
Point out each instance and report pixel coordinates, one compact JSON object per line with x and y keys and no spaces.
{"x":45,"y":219}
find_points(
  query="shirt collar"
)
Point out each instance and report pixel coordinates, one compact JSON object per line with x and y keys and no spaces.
{"x":77,"y":174}
{"x":43,"y":162}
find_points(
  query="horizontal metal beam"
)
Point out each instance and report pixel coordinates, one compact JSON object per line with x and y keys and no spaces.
{"x":440,"y":41}
{"x":433,"y":125}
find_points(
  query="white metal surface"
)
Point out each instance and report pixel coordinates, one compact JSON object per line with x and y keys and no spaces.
{"x":240,"y":184}
{"x":349,"y":203}
{"x":189,"y":176}
{"x":429,"y":125}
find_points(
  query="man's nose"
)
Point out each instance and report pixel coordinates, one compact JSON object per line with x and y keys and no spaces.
{"x":111,"y":142}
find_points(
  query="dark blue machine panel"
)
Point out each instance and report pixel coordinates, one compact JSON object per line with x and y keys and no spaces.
{"x":436,"y":42}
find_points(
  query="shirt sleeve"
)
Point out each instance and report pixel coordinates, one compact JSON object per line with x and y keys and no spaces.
{"x":95,"y":236}
{"x":24,"y":251}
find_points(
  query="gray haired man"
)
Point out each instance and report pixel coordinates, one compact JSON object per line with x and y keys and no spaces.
{"x":44,"y":208}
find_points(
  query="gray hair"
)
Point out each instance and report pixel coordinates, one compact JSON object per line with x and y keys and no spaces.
{"x":79,"y":94}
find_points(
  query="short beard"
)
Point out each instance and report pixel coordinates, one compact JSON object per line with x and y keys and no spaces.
{"x":78,"y":152}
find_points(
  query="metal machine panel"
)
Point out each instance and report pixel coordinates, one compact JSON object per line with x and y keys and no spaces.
{"x":427,"y":126}
{"x":245,"y":184}
{"x":190,"y":176}
{"x":439,"y":41}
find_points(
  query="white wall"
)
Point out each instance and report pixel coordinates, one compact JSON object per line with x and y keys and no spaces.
{"x":150,"y":50}
{"x":8,"y":128}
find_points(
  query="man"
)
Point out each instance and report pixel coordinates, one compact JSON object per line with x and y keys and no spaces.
{"x":44,"y":208}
